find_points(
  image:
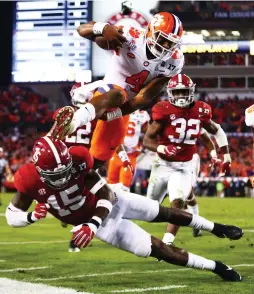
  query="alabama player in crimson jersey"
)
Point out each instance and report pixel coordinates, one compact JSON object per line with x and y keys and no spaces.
{"x":63,"y":183}
{"x":141,"y":57}
{"x":81,"y":137}
{"x":173,"y":135}
{"x":118,"y":171}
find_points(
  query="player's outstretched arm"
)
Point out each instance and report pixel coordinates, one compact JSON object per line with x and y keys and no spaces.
{"x":150,"y":140}
{"x":107,"y":36}
{"x":222,"y":141}
{"x":99,"y":187}
{"x":16,"y":214}
{"x":144,"y":99}
{"x":84,"y":233}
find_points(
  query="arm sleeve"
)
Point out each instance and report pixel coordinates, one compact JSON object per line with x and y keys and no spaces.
{"x":16,"y":217}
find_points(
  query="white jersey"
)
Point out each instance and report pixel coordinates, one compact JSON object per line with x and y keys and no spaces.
{"x":137,"y":120}
{"x":249,"y":116}
{"x":3,"y":163}
{"x":130,"y":69}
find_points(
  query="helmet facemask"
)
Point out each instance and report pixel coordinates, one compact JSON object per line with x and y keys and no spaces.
{"x":58,"y":178}
{"x":154,"y":44}
{"x":182,"y":96}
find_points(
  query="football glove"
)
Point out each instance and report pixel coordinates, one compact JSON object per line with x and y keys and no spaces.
{"x":40,"y":212}
{"x":82,"y":235}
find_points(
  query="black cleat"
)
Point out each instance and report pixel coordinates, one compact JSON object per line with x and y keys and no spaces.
{"x":224,"y":231}
{"x":226,"y":272}
{"x":196,"y":233}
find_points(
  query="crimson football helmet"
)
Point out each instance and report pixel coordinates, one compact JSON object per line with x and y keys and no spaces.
{"x":164,"y":28}
{"x":181,"y":90}
{"x":53,"y":162}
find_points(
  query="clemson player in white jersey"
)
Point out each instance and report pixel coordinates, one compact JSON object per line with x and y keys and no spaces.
{"x":176,"y":126}
{"x":140,"y":57}
{"x":118,"y":171}
{"x":249,"y":120}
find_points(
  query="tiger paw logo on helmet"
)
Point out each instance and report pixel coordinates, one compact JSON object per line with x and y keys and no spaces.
{"x":157,"y":19}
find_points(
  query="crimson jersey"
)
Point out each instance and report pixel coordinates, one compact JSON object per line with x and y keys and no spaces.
{"x":82,"y":136}
{"x":181,"y":126}
{"x":73,"y":204}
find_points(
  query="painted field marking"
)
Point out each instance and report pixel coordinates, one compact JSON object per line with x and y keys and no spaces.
{"x":8,"y":286}
{"x":23,"y":269}
{"x":124,"y":273}
{"x":108,"y":274}
{"x":148,"y":289}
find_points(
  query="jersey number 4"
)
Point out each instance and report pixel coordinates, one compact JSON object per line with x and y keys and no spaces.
{"x":137,"y":80}
{"x":186,"y":135}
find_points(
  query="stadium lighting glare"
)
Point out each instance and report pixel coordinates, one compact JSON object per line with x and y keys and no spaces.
{"x":235,"y":33}
{"x":205,"y":33}
{"x":220,"y":33}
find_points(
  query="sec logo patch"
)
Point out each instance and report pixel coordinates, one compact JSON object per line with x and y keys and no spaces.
{"x":172,"y":116}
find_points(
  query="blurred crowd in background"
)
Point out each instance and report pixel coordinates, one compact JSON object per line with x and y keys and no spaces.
{"x":25,"y":116}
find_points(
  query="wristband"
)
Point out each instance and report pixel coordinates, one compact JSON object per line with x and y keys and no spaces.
{"x":98,"y":27}
{"x":105,"y":203}
{"x":114,"y":114}
{"x":94,"y":223}
{"x":161,"y":149}
{"x":227,"y":157}
{"x":29,"y":218}
{"x":213,"y":153}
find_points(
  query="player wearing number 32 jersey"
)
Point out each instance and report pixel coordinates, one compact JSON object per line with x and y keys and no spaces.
{"x":141,"y":56}
{"x":63,"y":183}
{"x":176,"y":126}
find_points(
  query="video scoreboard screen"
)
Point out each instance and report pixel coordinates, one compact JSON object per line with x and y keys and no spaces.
{"x":46,"y":45}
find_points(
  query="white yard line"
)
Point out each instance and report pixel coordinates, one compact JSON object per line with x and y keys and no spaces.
{"x":8,"y":286}
{"x":248,"y":231}
{"x":124,"y":273}
{"x":23,"y":269}
{"x":149,"y":289}
{"x":243,"y":265}
{"x":34,"y":242}
{"x":108,"y":274}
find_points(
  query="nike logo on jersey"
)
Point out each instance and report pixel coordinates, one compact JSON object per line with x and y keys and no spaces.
{"x":229,"y":268}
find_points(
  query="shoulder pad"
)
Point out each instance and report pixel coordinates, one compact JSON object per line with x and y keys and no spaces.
{"x":25,"y":178}
{"x":160,"y":110}
{"x":81,"y":155}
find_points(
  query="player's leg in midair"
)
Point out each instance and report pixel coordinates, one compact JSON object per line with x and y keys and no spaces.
{"x":124,"y":234}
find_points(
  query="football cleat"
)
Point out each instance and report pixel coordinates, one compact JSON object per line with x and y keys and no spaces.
{"x":196,"y":233}
{"x":63,"y":125}
{"x":226,"y":272}
{"x":224,"y":231}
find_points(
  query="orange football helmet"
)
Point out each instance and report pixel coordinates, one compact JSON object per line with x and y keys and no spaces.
{"x":164,"y":34}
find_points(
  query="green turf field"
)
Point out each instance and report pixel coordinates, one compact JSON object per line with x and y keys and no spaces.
{"x":101,"y":268}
